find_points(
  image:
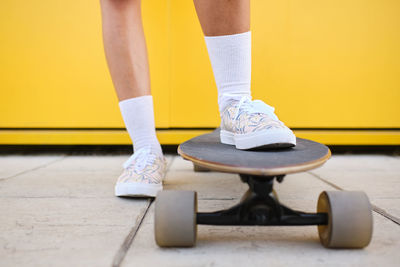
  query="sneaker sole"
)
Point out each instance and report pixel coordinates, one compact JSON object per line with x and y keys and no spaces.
{"x":278,"y":138}
{"x":137,"y":190}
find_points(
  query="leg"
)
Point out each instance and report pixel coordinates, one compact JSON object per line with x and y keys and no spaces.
{"x":125,"y":47}
{"x":223,"y":17}
{"x":126,"y":54}
{"x":245,"y":123}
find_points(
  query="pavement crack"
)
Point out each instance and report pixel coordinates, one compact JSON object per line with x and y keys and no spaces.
{"x":375,"y":208}
{"x":216,"y":198}
{"x":33,"y":169}
{"x":325,"y":181}
{"x":386,"y":214}
{"x":82,"y":225}
{"x":56,"y":197}
{"x":121,"y":253}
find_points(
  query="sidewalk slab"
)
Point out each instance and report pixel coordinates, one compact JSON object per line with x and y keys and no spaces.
{"x":65,"y":214}
{"x":64,"y":232}
{"x":12,"y":165}
{"x":377,"y":175}
{"x":85,"y":177}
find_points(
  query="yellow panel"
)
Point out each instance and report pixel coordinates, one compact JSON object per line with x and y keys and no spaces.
{"x":353,"y":137}
{"x":320,"y":63}
{"x":156,"y":26}
{"x":53,"y":69}
{"x":329,"y":63}
{"x":89,"y":137}
{"x":193,"y":90}
{"x":168,"y":137}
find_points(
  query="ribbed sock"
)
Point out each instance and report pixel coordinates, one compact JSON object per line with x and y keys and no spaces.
{"x":138,"y":115}
{"x":230,"y":57}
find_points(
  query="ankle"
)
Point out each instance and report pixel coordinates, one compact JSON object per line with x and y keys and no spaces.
{"x":153,"y":147}
{"x":227,"y":99}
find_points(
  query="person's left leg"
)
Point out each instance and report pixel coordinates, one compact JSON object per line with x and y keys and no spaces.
{"x":245,"y":123}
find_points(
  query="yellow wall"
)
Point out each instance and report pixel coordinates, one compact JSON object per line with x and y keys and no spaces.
{"x":326,"y":66}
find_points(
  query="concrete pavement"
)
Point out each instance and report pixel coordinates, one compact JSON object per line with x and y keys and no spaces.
{"x":59,"y":210}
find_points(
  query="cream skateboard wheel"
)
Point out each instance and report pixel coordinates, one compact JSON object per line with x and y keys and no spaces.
{"x":175,"y":218}
{"x":349,"y":219}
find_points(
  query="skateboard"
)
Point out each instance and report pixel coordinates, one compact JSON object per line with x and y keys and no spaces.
{"x":343,"y":218}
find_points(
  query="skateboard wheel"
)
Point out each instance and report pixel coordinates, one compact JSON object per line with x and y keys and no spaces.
{"x":175,"y":218}
{"x":198,"y":168}
{"x":349,"y":219}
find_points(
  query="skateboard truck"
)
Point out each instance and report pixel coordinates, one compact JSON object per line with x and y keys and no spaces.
{"x":260,"y":206}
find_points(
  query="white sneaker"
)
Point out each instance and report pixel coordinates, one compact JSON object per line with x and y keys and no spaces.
{"x":251,"y":124}
{"x":143,"y":174}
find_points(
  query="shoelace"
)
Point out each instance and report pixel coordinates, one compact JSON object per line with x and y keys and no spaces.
{"x":142,"y":158}
{"x":254,"y":106}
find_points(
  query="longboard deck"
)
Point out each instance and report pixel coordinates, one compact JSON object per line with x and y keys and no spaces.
{"x":207,"y":151}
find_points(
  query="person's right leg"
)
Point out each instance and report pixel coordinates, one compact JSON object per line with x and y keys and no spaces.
{"x":126,"y":53}
{"x":245,"y":123}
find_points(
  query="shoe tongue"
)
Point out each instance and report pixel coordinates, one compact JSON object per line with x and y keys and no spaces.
{"x":258,"y":106}
{"x":140,"y":156}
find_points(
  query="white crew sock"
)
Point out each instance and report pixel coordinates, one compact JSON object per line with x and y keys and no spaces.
{"x":138,"y":116}
{"x":230,"y":57}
